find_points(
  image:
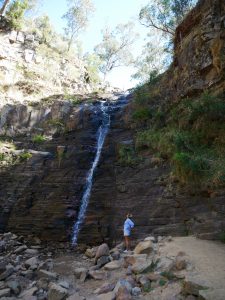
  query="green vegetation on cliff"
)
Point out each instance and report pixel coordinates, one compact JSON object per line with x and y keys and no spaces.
{"x":190,"y":134}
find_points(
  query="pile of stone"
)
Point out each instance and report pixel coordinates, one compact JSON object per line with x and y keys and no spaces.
{"x":26,"y":271}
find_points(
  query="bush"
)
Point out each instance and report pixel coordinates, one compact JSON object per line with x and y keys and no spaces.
{"x":16,"y":12}
{"x":38,"y":139}
{"x":127,"y":155}
{"x":142,"y":114}
{"x":25,"y":156}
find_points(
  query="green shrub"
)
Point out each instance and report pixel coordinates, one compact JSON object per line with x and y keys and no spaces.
{"x":16,"y":12}
{"x":222,"y":237}
{"x":142,"y":114}
{"x":127,"y":155}
{"x":38,"y":139}
{"x":2,"y":156}
{"x":25,"y":156}
{"x":56,"y":123}
{"x":162,"y":282}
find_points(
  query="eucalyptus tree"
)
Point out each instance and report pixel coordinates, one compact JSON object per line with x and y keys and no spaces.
{"x":115,"y":49}
{"x":77,"y":18}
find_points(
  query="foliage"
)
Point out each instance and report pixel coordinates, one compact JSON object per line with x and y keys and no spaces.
{"x":44,"y":29}
{"x":127,"y":155}
{"x":192,"y":138}
{"x":25,"y":156}
{"x":38,"y":139}
{"x":142,"y":114}
{"x":222,"y":237}
{"x":165,"y":15}
{"x":92,"y":62}
{"x":162,"y":282}
{"x":16,"y":12}
{"x":77,"y":18}
{"x":168,"y":275}
{"x":114,"y":50}
{"x":56,"y":123}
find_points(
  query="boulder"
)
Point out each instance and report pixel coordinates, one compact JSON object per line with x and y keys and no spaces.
{"x":103,"y":250}
{"x":145,"y":283}
{"x":75,"y":296}
{"x":28,"y":294}
{"x":14,"y":286}
{"x":9,"y":270}
{"x":138,"y":268}
{"x":79,"y":272}
{"x":103,"y":260}
{"x":136,"y":291}
{"x":193,"y":284}
{"x":31,"y":252}
{"x":20,"y":249}
{"x":56,"y":292}
{"x":212,"y":294}
{"x":145,"y":247}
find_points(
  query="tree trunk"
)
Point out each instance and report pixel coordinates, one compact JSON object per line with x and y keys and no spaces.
{"x":2,"y":10}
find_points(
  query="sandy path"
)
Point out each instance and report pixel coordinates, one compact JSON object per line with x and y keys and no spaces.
{"x":207,"y":257}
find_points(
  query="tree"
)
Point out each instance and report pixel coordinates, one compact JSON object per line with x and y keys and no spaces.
{"x":114,"y":50}
{"x":92,"y":63}
{"x":4,"y":6}
{"x":44,"y":29}
{"x":16,"y":12}
{"x":77,"y":18}
{"x":165,"y":15}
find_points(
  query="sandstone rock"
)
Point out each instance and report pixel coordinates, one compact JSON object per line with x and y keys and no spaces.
{"x":79,"y":271}
{"x":180,"y":263}
{"x":107,"y":296}
{"x":20,"y":249}
{"x":113,"y":265}
{"x":64,"y":284}
{"x":47,"y":274}
{"x":142,"y":267}
{"x":27,"y":294}
{"x":29,"y":37}
{"x":145,"y":283}
{"x":31,"y":251}
{"x":153,"y":276}
{"x":150,"y":238}
{"x":75,"y":296}
{"x":31,"y":262}
{"x":91,"y":252}
{"x":56,"y":292}
{"x":115,"y":254}
{"x":28,"y":55}
{"x":20,"y":37}
{"x":103,"y":250}
{"x":4,"y":293}
{"x":164,"y":264}
{"x":171,"y":291}
{"x":212,"y":294}
{"x":193,"y":284}
{"x":135,"y":259}
{"x":98,"y":275}
{"x":123,"y":294}
{"x":13,"y":36}
{"x":42,"y":283}
{"x":144,"y":247}
{"x":105,"y":288}
{"x":103,"y":260}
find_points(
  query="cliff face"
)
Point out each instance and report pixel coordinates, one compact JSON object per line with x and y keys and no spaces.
{"x":42,"y":195}
{"x":199,"y":46}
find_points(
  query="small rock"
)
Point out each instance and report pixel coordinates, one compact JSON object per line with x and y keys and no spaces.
{"x":107,"y":296}
{"x":145,"y":283}
{"x":123,"y":294}
{"x":105,"y":288}
{"x":91,"y":252}
{"x":31,"y":251}
{"x":113,"y":265}
{"x":142,"y":267}
{"x":150,"y":238}
{"x":75,"y":296}
{"x":136,"y":291}
{"x":7,"y":273}
{"x":14,"y":286}
{"x":20,"y":249}
{"x":98,"y":275}
{"x":42,"y":283}
{"x":27,"y":294}
{"x":64,"y":284}
{"x":56,"y":292}
{"x":31,"y":262}
{"x":115,"y":255}
{"x":180,"y":263}
{"x":122,"y":282}
{"x":47,"y":274}
{"x":79,"y":272}
{"x":144,"y":247}
{"x":4,"y":293}
{"x":103,"y":250}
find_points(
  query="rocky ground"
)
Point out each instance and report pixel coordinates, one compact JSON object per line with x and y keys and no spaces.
{"x":182,"y":268}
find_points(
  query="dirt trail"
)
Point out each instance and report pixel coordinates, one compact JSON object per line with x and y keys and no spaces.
{"x":207,"y":258}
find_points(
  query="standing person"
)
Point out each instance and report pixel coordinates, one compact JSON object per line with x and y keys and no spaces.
{"x":128,"y":225}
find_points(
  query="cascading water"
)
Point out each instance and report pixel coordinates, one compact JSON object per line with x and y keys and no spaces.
{"x":101,"y":135}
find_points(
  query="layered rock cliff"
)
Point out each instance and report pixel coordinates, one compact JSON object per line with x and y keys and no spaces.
{"x":42,"y":195}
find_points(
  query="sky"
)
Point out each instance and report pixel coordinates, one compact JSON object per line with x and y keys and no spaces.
{"x":109,"y":13}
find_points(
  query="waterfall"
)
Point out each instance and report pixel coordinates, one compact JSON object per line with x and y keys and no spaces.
{"x":101,"y":135}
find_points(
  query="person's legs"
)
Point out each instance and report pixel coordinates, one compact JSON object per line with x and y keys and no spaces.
{"x":127,"y":242}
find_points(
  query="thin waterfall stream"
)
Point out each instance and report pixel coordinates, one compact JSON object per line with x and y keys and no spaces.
{"x":101,"y":135}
